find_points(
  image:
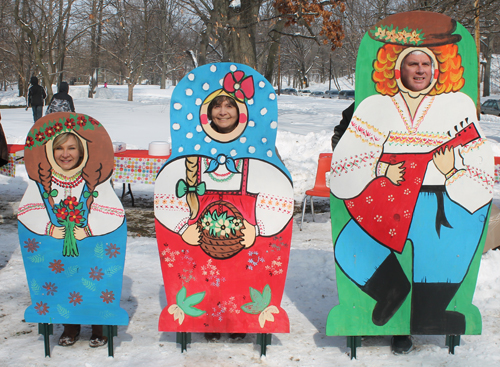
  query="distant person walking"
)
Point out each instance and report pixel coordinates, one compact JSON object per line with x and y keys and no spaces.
{"x":36,"y":95}
{"x":62,"y":101}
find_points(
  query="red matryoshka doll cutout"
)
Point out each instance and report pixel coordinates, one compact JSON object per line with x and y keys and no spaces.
{"x":223,"y":206}
{"x":411,"y":184}
{"x":72,"y":227}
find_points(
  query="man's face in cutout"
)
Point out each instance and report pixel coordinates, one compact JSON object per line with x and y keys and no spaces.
{"x":416,"y":71}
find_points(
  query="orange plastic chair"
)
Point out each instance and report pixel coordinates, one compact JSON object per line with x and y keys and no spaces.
{"x":320,"y":189}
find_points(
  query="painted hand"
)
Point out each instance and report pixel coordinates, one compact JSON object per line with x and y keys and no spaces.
{"x":444,"y":159}
{"x":248,"y":234}
{"x":395,"y":173}
{"x":79,"y":233}
{"x":59,"y":232}
{"x":192,"y":235}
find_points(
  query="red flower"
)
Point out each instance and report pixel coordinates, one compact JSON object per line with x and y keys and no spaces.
{"x":58,"y":127}
{"x":75,"y":298}
{"x":39,"y":136}
{"x":239,"y":85}
{"x":96,"y":274}
{"x":31,"y":245}
{"x":70,"y":123}
{"x":50,"y":287}
{"x":42,"y":308}
{"x":49,"y":131}
{"x":71,"y":202}
{"x":93,"y":121}
{"x":29,"y":142}
{"x":112,"y":250}
{"x":56,"y":266}
{"x":62,"y":213}
{"x":75,"y":216}
{"x":81,"y":121}
{"x":107,"y":296}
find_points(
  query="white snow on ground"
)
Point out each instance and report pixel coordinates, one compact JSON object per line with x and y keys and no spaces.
{"x":305,"y":128}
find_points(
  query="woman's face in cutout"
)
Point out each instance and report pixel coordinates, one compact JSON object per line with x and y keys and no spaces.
{"x":67,"y":155}
{"x":225,"y":116}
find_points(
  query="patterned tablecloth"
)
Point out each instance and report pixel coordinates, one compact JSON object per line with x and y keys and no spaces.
{"x":136,"y":166}
{"x":10,"y":168}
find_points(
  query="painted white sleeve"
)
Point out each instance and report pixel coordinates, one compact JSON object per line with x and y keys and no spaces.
{"x":171,"y":211}
{"x":107,"y":213}
{"x":32,"y":211}
{"x":274,"y":206}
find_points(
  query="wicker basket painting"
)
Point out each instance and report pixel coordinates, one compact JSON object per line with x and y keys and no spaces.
{"x":220,"y":226}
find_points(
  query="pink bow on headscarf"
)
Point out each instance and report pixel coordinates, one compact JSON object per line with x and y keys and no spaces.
{"x":241,"y":87}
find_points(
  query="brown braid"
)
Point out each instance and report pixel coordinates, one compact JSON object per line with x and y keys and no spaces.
{"x":191,"y":179}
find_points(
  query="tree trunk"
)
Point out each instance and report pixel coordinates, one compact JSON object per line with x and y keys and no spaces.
{"x":130,"y":92}
{"x":487,"y":70}
{"x":274,"y":49}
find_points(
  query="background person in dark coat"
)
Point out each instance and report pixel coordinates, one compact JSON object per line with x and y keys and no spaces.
{"x":62,"y":101}
{"x":36,"y":95}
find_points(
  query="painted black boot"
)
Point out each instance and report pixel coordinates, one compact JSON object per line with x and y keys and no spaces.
{"x":389,"y":286}
{"x":428,"y":310}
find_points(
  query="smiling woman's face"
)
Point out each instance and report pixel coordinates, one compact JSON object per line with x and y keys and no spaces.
{"x":68,"y":154}
{"x":224,"y":115}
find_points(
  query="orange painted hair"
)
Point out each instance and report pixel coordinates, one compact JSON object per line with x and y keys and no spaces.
{"x":450,"y":67}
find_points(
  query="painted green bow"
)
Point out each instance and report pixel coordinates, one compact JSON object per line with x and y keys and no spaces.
{"x":87,"y":194}
{"x":182,"y":188}
{"x":53,"y":193}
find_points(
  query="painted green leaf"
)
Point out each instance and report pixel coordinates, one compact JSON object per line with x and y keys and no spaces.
{"x":266,"y":295}
{"x":63,"y":312}
{"x":181,"y":296}
{"x":72,"y":270}
{"x":35,"y":287}
{"x":194,"y":299}
{"x":88,"y":284}
{"x":186,"y":304}
{"x":259,"y":301}
{"x":113,"y":269}
{"x":255,"y":295}
{"x":99,"y":250}
{"x":36,"y":258}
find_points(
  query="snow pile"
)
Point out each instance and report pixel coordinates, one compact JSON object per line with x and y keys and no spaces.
{"x":104,"y":93}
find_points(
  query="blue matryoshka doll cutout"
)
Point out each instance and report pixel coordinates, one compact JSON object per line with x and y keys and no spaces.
{"x":411,"y":184}
{"x":223,"y":208}
{"x":72,"y":227}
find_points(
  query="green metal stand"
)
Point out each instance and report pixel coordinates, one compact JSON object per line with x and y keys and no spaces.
{"x":110,"y":331}
{"x":452,"y":341}
{"x":353,"y":342}
{"x":46,"y":330}
{"x":263,"y":340}
{"x":183,"y":339}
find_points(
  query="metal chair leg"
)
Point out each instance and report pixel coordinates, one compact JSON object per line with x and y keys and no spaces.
{"x":312,"y":209}
{"x":303,"y":211}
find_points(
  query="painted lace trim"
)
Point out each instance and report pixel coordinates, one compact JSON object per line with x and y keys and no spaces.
{"x":475,"y":174}
{"x":170,"y":202}
{"x":275,"y":203}
{"x":30,"y":207}
{"x":366,"y":132}
{"x":356,"y":162}
{"x":423,"y":139}
{"x":221,"y":177}
{"x":118,"y":212}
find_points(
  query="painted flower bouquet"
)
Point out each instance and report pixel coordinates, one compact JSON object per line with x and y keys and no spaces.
{"x":220,"y":226}
{"x":69,"y":213}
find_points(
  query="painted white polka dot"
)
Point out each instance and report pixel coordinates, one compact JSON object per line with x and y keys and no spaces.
{"x":176,"y":126}
{"x":251,"y":149}
{"x":181,"y":149}
{"x":263,"y":111}
{"x":197,"y":147}
{"x":272,"y":96}
{"x":262,"y":84}
{"x":206,"y":86}
{"x":274,"y":125}
{"x":221,"y":81}
{"x":233,"y":153}
{"x":213,"y":68}
{"x":189,"y":116}
{"x":233,"y":68}
{"x":191,"y":76}
{"x":213,"y":151}
{"x":189,"y":135}
{"x":198,"y":101}
{"x":269,"y":153}
{"x":250,"y":102}
{"x":208,"y":139}
{"x":199,"y":128}
{"x":264,"y":140}
{"x":189,"y":92}
{"x":251,"y":123}
{"x":243,"y":140}
{"x":177,"y":106}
